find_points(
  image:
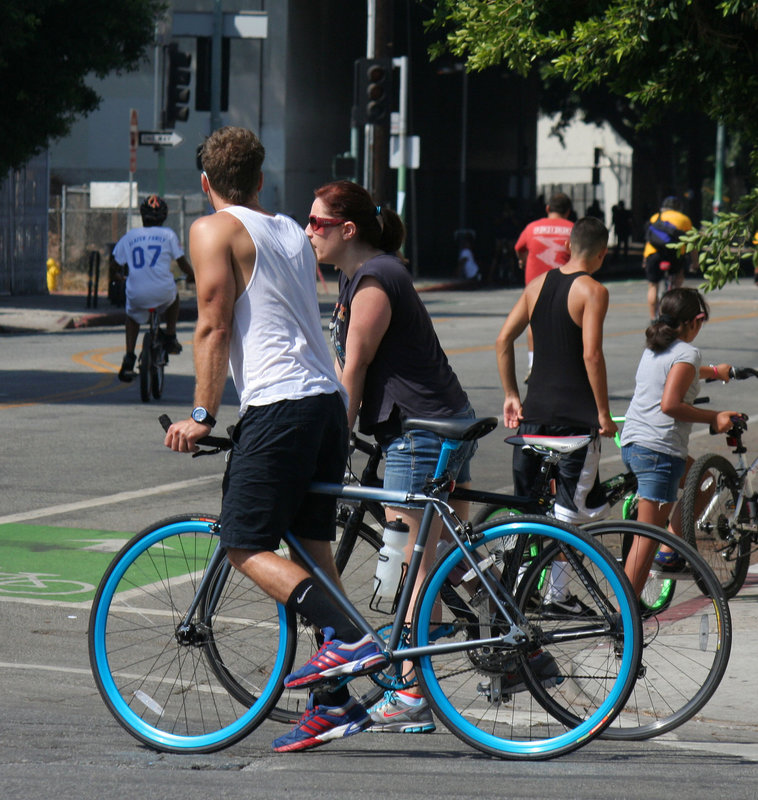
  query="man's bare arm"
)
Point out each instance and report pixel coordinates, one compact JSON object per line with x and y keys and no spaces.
{"x":514,"y":326}
{"x":210,"y":239}
{"x":595,"y":307}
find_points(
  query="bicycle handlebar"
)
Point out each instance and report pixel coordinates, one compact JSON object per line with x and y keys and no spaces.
{"x":738,"y":374}
{"x":216,"y":442}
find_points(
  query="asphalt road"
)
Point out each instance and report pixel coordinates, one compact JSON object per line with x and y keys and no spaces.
{"x":83,"y":468}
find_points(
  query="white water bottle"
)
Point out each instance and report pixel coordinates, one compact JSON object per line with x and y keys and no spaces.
{"x":389,"y":567}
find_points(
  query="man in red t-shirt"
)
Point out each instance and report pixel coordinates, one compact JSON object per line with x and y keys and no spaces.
{"x":543,"y":245}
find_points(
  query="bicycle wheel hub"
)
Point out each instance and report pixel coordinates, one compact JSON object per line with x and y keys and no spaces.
{"x":192,"y":635}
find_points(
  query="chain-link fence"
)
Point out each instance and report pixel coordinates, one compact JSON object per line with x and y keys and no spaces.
{"x":76,"y":229}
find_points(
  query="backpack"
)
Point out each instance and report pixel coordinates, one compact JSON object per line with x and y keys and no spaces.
{"x":661,"y":233}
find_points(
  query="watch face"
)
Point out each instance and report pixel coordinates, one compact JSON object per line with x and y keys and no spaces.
{"x":199,"y":414}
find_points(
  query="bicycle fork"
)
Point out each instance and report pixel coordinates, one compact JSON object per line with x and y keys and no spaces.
{"x":191,"y":633}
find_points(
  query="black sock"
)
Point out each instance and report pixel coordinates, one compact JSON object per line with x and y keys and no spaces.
{"x":313,"y":604}
{"x":331,"y":697}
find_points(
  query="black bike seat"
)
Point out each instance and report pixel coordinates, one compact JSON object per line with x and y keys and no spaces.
{"x":461,"y":430}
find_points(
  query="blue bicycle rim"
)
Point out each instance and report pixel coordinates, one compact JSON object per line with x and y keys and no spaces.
{"x":610,"y":705}
{"x":121,"y":708}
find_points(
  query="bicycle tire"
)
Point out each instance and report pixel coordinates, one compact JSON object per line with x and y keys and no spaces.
{"x":720,"y":542}
{"x":145,"y":366}
{"x":601,"y":665}
{"x":491,"y":511}
{"x":157,"y":367}
{"x":686,"y":636}
{"x":162,"y":688}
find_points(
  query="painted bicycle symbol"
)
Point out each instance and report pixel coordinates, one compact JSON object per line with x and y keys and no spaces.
{"x":40,"y":583}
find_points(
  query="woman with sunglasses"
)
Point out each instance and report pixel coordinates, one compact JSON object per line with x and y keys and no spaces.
{"x":660,"y":416}
{"x":390,"y":361}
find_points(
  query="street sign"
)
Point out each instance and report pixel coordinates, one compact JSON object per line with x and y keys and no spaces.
{"x":165,"y":138}
{"x":133,"y":132}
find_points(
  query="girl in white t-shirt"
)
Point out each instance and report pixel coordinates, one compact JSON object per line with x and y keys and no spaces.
{"x":660,"y":416}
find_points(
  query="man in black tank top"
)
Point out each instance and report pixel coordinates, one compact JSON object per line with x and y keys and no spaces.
{"x":568,"y":389}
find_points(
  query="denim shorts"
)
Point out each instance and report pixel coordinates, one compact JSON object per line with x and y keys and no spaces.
{"x":412,"y":457}
{"x":658,"y":474}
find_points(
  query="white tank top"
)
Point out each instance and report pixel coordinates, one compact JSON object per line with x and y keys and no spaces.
{"x":278,"y":350}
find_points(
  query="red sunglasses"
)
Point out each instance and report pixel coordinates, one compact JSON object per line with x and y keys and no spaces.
{"x":319,"y":223}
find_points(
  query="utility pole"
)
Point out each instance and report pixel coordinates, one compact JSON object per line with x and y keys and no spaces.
{"x":377,"y":145}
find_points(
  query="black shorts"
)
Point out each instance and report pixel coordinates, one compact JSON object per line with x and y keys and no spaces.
{"x":278,"y":450}
{"x":653,"y":271}
{"x":579,"y":497}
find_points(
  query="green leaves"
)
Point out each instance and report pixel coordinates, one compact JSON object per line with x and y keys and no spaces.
{"x":49,"y":51}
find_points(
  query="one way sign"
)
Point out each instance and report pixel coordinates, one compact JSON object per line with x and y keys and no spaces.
{"x":165,"y":138}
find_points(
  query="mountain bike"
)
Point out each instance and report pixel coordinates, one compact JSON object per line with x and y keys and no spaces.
{"x":720,"y":505}
{"x":189,"y":656}
{"x":152,"y":359}
{"x":686,"y":623}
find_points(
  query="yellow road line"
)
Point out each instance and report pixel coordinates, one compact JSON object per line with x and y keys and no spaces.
{"x":93,"y":359}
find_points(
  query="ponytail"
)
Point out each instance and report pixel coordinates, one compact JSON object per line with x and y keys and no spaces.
{"x":678,"y":306}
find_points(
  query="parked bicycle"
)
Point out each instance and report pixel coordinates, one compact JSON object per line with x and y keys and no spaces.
{"x":720,"y":505}
{"x":686,"y":622}
{"x":190,"y":656}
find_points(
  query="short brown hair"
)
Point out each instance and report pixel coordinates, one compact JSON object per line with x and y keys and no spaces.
{"x":559,"y":203}
{"x":588,"y":237}
{"x":232,"y":159}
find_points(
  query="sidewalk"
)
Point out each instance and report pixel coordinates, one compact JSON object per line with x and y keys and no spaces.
{"x":59,"y":311}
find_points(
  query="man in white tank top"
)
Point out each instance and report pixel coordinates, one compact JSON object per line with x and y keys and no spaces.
{"x":258,"y":314}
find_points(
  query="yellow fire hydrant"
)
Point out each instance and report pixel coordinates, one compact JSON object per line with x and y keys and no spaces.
{"x":53,"y":271}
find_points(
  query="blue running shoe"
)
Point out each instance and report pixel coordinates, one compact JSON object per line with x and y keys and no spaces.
{"x":320,"y":724}
{"x":336,"y":658}
{"x":669,"y":562}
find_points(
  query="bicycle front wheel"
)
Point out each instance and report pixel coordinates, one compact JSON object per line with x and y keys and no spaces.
{"x":564,"y":683}
{"x":686,"y":634}
{"x":164,"y":681}
{"x":708,"y":505}
{"x":145,"y":366}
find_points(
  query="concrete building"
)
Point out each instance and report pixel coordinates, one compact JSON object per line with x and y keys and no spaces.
{"x":295,"y":88}
{"x":566,"y":162}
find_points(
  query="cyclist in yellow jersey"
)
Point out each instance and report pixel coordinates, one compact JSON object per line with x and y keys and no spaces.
{"x":653,"y":259}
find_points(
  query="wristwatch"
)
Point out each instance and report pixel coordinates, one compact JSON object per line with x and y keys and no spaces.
{"x":202,"y":415}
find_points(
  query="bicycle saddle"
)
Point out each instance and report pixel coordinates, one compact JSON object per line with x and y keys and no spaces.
{"x":561,"y":444}
{"x":462,"y":430}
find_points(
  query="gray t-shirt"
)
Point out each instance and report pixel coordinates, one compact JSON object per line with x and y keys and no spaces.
{"x":646,"y":424}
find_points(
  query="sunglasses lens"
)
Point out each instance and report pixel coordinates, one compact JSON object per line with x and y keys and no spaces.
{"x":313,"y":222}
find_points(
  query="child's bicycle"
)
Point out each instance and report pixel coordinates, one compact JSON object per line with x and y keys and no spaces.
{"x":152,"y":359}
{"x":686,"y":621}
{"x":720,"y":505}
{"x":190,"y":656}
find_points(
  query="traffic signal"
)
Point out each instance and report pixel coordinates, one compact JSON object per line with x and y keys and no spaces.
{"x":178,"y":75}
{"x":373,"y":94}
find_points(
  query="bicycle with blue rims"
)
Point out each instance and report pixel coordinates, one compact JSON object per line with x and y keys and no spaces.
{"x":174,"y":629}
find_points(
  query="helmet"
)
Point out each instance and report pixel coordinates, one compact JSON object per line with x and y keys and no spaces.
{"x":674,"y":203}
{"x":153,"y":210}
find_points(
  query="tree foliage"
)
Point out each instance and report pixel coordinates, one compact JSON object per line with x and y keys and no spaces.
{"x":659,"y":55}
{"x":48,"y":50}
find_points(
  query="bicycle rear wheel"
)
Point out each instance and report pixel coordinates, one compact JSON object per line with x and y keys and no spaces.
{"x":145,"y":366}
{"x":708,"y":504}
{"x":686,"y":635}
{"x":504,"y":700}
{"x":164,"y":684}
{"x":157,"y":366}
